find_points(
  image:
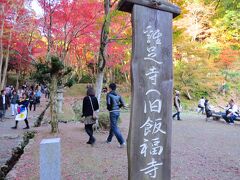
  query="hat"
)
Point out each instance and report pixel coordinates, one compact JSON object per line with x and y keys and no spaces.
{"x":177,"y":92}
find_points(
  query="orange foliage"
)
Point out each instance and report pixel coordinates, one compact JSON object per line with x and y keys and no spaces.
{"x":228,"y":56}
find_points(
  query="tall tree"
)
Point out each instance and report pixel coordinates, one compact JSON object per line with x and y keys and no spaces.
{"x":9,"y":14}
{"x":102,"y":58}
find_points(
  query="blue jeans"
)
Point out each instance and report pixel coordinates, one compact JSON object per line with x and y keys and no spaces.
{"x":177,"y":114}
{"x":229,"y":119}
{"x":114,"y":130}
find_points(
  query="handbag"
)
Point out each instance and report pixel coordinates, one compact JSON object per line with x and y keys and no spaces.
{"x":95,"y":113}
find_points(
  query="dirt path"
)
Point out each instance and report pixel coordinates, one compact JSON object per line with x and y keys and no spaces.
{"x":10,"y":138}
{"x":201,"y":150}
{"x":79,"y":160}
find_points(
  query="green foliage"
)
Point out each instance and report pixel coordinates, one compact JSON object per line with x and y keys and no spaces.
{"x":45,"y":70}
{"x":235,"y":47}
{"x":230,"y":75}
{"x":229,"y":24}
{"x":197,"y":61}
{"x":213,"y":48}
{"x":177,"y":34}
{"x":86,"y":78}
{"x":56,"y":65}
{"x":238,"y":87}
{"x":70,"y":82}
{"x":200,"y":93}
{"x":103,"y":120}
{"x":77,"y":109}
{"x":76,"y":90}
{"x":103,"y":116}
{"x":42,"y":73}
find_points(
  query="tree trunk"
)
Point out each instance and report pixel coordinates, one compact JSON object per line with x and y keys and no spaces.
{"x":99,"y":84}
{"x":103,"y":46}
{"x":1,"y":43}
{"x":49,"y":34}
{"x":127,"y":78}
{"x":3,"y":80}
{"x":17,"y":81}
{"x":53,"y":104}
{"x":6,"y":61}
{"x":188,"y":95}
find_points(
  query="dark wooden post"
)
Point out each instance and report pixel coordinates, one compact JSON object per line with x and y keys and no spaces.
{"x":150,"y":132}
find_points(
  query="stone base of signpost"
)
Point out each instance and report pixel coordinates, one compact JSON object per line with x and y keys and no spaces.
{"x":50,"y":159}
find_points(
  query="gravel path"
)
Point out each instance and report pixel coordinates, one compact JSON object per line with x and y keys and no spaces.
{"x":201,"y":150}
{"x":10,"y":138}
{"x":205,"y":150}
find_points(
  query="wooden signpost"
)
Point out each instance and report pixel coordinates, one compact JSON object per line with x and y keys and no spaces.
{"x":149,"y":139}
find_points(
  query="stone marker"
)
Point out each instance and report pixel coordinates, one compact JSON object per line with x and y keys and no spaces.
{"x":50,"y":159}
{"x":150,"y":132}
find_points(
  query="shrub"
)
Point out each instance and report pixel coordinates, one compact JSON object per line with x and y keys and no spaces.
{"x":103,"y":120}
{"x":103,"y":116}
{"x":77,"y":109}
{"x":86,"y":79}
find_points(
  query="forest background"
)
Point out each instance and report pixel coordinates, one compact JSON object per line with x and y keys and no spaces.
{"x":206,"y":49}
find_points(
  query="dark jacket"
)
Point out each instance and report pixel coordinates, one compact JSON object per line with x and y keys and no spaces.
{"x":207,"y":109}
{"x":7,"y":102}
{"x":24,"y":103}
{"x":32,"y":98}
{"x":177,"y":103}
{"x":114,"y":101}
{"x":87,"y":108}
{"x":14,"y":99}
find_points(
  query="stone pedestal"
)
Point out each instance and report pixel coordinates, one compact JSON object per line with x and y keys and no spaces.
{"x":50,"y":159}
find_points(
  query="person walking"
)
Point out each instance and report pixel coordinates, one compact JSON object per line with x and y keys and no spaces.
{"x":8,"y":91}
{"x":114,"y":103}
{"x":32,"y":101}
{"x":14,"y":99}
{"x":177,"y":105}
{"x":38,"y":94}
{"x":47,"y":92}
{"x":23,"y":111}
{"x":90,"y":104}
{"x":201,"y":105}
{"x":4,"y":103}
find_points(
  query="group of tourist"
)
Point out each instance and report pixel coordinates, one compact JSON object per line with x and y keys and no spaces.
{"x":23,"y":100}
{"x":20,"y":101}
{"x":231,"y":111}
{"x":90,"y":106}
